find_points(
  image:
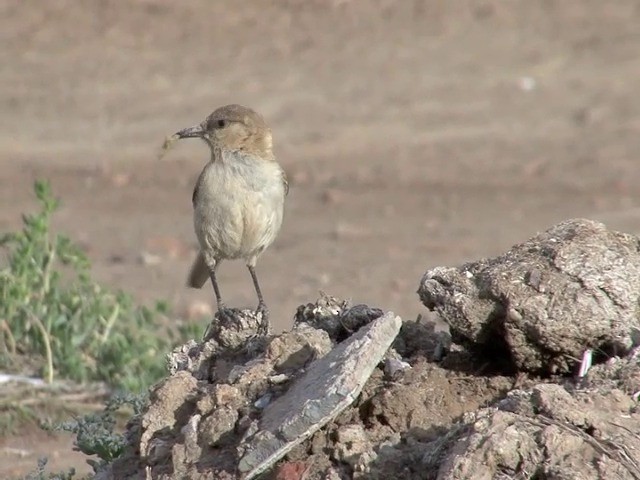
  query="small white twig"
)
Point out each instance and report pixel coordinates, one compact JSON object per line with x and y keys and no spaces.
{"x":585,"y":365}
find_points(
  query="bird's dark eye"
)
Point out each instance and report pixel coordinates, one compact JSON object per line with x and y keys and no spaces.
{"x":221,"y":123}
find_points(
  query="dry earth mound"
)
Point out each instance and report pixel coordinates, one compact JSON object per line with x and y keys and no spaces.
{"x":355,"y":392}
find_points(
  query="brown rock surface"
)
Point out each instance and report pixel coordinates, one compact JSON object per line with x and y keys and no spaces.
{"x":573,"y":287}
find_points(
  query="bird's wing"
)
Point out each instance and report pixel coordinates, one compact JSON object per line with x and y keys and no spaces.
{"x":194,"y":196}
{"x":285,"y":182}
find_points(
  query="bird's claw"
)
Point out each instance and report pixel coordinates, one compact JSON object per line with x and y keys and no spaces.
{"x":262,"y":308}
{"x":223,"y":316}
{"x":264,"y":326}
{"x":226,"y":314}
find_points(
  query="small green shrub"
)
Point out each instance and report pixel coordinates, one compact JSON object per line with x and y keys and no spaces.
{"x":95,"y":433}
{"x":40,"y":473}
{"x":54,"y":318}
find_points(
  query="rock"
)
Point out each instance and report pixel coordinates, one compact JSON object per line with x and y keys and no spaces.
{"x":292,"y":471}
{"x":323,"y":314}
{"x":557,"y":435}
{"x":329,"y":386}
{"x":353,"y":447}
{"x":338,"y":318}
{"x":263,"y":401}
{"x":509,"y":443}
{"x":425,"y":339}
{"x":618,"y":373}
{"x":543,"y":303}
{"x":193,"y":358}
{"x":393,"y":363}
{"x":166,"y":400}
{"x":220,"y":395}
{"x":302,"y":411}
{"x":332,"y":474}
{"x":355,"y":317}
{"x":232,"y":331}
{"x":219,"y":423}
{"x":400,"y":412}
{"x":252,"y":379}
{"x":293,"y":350}
{"x":190,"y":434}
{"x":158,"y":449}
{"x":558,"y":402}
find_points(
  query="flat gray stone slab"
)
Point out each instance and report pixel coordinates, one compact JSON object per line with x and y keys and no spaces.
{"x":330,"y":385}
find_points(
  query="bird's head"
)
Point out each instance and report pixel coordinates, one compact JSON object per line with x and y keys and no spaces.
{"x":234,"y":128}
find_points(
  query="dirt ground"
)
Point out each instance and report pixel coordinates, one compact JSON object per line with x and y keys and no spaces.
{"x":414,"y":133}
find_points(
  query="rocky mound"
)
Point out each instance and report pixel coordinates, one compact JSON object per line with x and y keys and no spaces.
{"x":354,"y":392}
{"x":572,"y":288}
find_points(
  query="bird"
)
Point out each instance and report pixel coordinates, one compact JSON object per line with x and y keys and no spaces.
{"x":238,"y":199}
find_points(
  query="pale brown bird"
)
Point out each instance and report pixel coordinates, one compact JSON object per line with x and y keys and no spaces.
{"x":238,"y":200}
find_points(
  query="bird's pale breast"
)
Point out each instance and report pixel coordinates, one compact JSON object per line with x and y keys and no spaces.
{"x":238,"y":207}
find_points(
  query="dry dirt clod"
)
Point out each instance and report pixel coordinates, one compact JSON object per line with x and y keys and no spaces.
{"x":216,"y":426}
{"x":166,"y":400}
{"x":233,"y":329}
{"x":293,"y":350}
{"x":547,"y":431}
{"x":393,"y":363}
{"x":193,"y":357}
{"x":338,"y":318}
{"x":353,"y":447}
{"x":543,"y":303}
{"x":323,"y":314}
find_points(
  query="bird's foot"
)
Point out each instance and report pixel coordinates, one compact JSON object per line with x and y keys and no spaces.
{"x":262,"y":308}
{"x":265,"y":326}
{"x":226,"y":314}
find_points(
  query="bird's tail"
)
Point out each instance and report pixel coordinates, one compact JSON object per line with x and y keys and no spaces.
{"x":199,"y":272}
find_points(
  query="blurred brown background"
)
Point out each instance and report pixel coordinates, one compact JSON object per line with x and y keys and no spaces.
{"x":414,"y":133}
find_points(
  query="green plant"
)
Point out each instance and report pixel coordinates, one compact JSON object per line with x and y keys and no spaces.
{"x":95,"y":433}
{"x":53,"y":317}
{"x":41,"y":474}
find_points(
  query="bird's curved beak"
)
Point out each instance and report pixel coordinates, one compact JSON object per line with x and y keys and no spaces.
{"x":197,"y":131}
{"x":192,"y":132}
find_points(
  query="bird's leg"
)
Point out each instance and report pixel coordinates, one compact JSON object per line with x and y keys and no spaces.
{"x":216,"y":289}
{"x":262,"y":307}
{"x":224,"y":314}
